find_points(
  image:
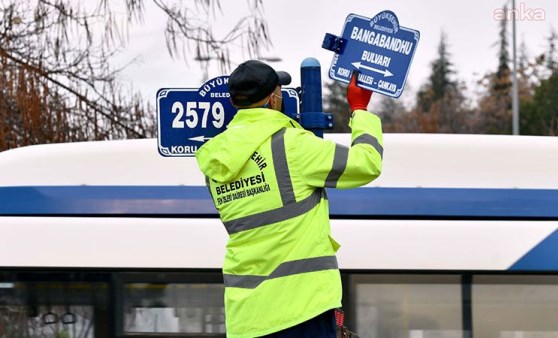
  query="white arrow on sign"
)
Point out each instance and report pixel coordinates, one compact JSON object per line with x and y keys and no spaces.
{"x":199,"y":138}
{"x":386,"y":72}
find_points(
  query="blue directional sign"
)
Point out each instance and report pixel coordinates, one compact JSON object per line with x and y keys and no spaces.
{"x":379,"y":48}
{"x":188,"y":117}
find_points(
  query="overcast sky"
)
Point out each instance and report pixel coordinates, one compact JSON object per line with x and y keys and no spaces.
{"x":298,"y":27}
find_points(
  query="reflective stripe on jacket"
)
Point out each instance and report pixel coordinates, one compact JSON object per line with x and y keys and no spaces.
{"x":267,"y":176}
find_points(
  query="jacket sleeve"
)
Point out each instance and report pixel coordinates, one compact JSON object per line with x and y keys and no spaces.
{"x":323,"y":163}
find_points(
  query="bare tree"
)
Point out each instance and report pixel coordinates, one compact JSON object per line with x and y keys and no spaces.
{"x":56,"y":80}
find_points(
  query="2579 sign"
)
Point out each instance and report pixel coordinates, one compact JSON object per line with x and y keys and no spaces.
{"x":189,"y":117}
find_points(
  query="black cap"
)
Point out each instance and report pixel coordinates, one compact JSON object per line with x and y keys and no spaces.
{"x":253,"y":80}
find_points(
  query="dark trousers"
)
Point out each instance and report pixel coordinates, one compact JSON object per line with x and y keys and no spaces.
{"x":322,"y":326}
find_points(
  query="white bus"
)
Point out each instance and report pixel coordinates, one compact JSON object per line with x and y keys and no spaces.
{"x":458,"y":238}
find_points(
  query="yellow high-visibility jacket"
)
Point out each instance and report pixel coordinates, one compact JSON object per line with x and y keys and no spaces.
{"x":267,"y":175}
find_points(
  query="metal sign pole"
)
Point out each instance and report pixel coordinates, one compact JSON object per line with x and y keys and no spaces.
{"x":312,"y":117}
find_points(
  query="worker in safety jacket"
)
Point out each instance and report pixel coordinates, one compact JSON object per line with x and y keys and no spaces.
{"x":267,"y":175}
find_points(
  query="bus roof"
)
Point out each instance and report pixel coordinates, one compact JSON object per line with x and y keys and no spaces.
{"x":424,"y":175}
{"x":410,"y":160}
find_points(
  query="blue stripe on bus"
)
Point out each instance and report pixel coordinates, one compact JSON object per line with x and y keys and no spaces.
{"x":366,"y":202}
{"x":542,"y":257}
{"x":453,"y":202}
{"x":105,"y":200}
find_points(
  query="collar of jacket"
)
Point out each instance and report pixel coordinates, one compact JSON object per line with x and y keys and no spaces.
{"x":222,"y":157}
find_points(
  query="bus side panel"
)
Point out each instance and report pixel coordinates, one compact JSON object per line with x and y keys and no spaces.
{"x":439,"y":244}
{"x":187,"y":243}
{"x":111,"y":242}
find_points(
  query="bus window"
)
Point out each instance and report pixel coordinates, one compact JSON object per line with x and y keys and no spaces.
{"x":403,"y":306}
{"x":515,"y":306}
{"x":173,"y":307}
{"x":53,"y":309}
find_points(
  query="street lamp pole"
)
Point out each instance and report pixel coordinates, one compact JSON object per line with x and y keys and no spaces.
{"x":515,"y":89}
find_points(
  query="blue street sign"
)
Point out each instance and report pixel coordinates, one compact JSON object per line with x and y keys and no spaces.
{"x":188,"y":117}
{"x":380,"y":49}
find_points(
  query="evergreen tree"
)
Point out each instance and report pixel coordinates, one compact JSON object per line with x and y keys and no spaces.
{"x":494,"y":111}
{"x":440,"y":104}
{"x":442,"y":69}
{"x":540,"y":116}
{"x":439,"y":81}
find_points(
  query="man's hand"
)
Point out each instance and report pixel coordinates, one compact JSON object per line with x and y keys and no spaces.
{"x":357,"y":97}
